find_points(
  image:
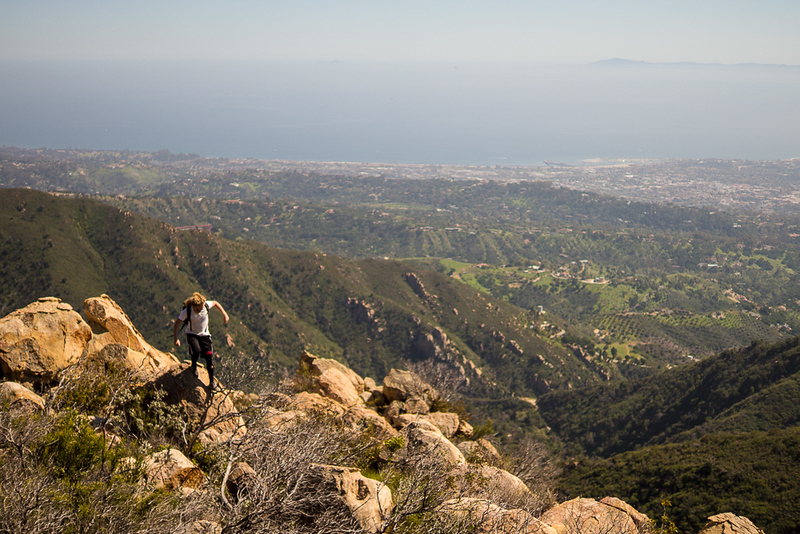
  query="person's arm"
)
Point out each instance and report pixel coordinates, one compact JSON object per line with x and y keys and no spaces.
{"x":175,"y":327}
{"x":225,"y":317}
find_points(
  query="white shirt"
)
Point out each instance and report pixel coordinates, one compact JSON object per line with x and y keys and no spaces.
{"x":199,"y":321}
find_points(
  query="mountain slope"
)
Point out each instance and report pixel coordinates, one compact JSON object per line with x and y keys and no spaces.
{"x":373,"y":314}
{"x":752,"y":474}
{"x":732,"y":391}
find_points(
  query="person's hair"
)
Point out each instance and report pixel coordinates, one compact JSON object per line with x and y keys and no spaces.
{"x":195,"y":300}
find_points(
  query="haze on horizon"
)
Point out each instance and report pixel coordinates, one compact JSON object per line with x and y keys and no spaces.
{"x":542,"y":32}
{"x":425,"y":82}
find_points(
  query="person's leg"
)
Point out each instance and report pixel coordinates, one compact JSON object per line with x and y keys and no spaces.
{"x":207,"y":350}
{"x":194,"y":351}
{"x":210,"y":366}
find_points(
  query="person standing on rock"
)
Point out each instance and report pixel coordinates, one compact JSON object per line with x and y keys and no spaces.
{"x":195,"y":315}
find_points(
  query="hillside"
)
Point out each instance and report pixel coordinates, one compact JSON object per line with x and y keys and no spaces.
{"x":371,"y":314}
{"x":722,"y":433}
{"x":746,"y":473}
{"x":748,"y":389}
{"x":677,"y":283}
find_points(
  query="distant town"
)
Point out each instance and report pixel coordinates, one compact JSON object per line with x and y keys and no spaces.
{"x":731,"y":185}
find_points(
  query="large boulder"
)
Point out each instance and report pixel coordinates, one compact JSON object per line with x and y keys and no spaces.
{"x":124,"y":358}
{"x":446,"y":422}
{"x":203,"y":408}
{"x":311,"y":367}
{"x":171,"y":470}
{"x":404,"y":385}
{"x":40,"y":340}
{"x":363,"y":417}
{"x":327,"y":486}
{"x":314,"y":403}
{"x":422,"y":439}
{"x":334,"y":384}
{"x":481,"y":451}
{"x":503,"y":487}
{"x":729,"y":523}
{"x":641,"y":521}
{"x":18,"y":398}
{"x":485,"y":517}
{"x":241,"y":479}
{"x":107,"y":317}
{"x":591,"y":517}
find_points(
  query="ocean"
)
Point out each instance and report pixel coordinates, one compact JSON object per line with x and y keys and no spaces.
{"x":475,"y":114}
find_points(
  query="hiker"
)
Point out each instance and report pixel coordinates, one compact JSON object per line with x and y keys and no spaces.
{"x":195,"y":315}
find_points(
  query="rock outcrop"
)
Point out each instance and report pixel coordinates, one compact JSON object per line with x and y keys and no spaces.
{"x":40,"y":340}
{"x":592,"y":517}
{"x":487,"y":517}
{"x":424,"y":439}
{"x":729,"y":523}
{"x":331,"y":379}
{"x":405,"y":386}
{"x":171,"y":469}
{"x":214,"y":412}
{"x":18,"y":398}
{"x":369,"y":501}
{"x":112,"y":325}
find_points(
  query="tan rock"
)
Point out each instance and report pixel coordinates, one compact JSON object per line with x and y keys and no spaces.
{"x":244,"y":400}
{"x":369,"y":384}
{"x":481,"y":451}
{"x":504,"y":487}
{"x":401,"y":385}
{"x":394,"y":409}
{"x":590,"y":517}
{"x":100,"y":340}
{"x":446,"y":423}
{"x":215,"y":411}
{"x":126,"y":359}
{"x":417,"y":406}
{"x":171,"y":470}
{"x":729,"y":523}
{"x":369,"y":501}
{"x":277,"y":420}
{"x":465,"y":429}
{"x":490,"y":518}
{"x":40,"y":340}
{"x":642,"y":521}
{"x":422,"y":438}
{"x":107,"y":314}
{"x":315,"y":403}
{"x":315,"y":367}
{"x":370,"y":420}
{"x":18,"y":398}
{"x":334,"y":384}
{"x":241,"y":479}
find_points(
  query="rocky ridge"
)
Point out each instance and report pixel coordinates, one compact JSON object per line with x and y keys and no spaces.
{"x":406,"y":460}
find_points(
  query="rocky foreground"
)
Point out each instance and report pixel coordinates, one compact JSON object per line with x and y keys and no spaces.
{"x":329,"y":452}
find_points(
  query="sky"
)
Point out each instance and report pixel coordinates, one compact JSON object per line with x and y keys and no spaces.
{"x":530,"y":31}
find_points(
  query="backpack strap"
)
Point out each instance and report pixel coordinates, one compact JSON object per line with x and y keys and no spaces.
{"x":188,"y":318}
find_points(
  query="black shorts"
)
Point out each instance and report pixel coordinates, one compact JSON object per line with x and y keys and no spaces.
{"x":200,"y":346}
